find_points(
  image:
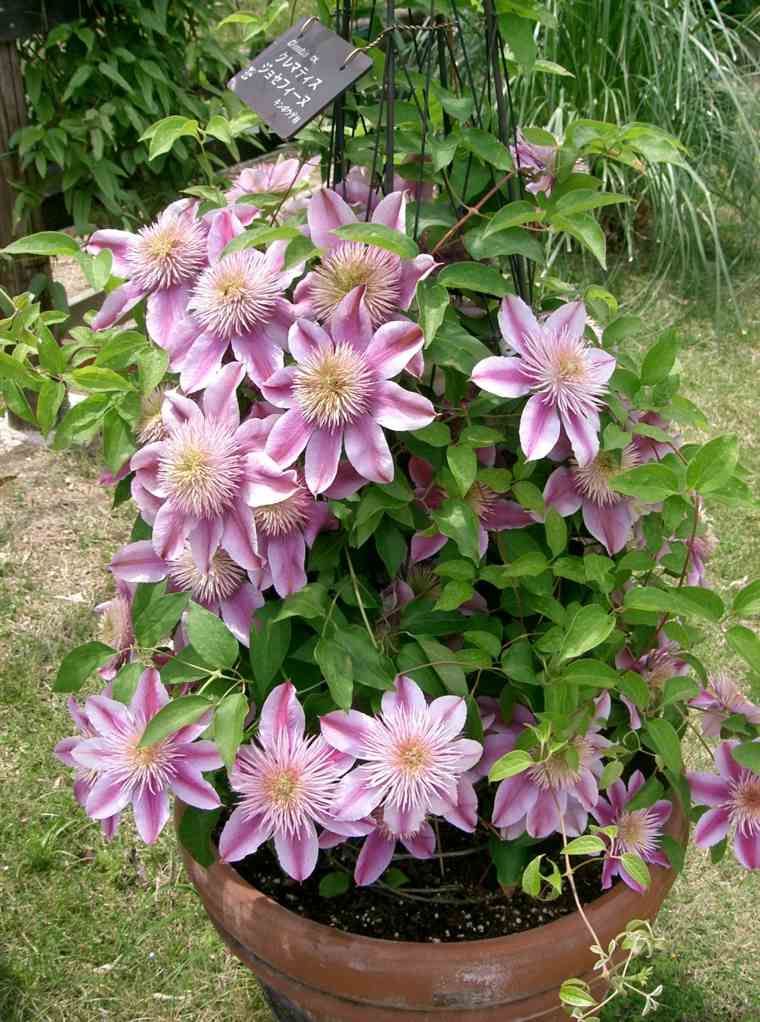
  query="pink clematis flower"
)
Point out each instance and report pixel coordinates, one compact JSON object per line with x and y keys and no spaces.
{"x":340,"y":392}
{"x":655,"y":666}
{"x":143,"y":776}
{"x":359,"y":192}
{"x":238,"y":302}
{"x":493,"y":512}
{"x":414,"y":760}
{"x":279,"y":177}
{"x":639,"y":830}
{"x":537,"y":163}
{"x":608,"y":516}
{"x":160,"y":262}
{"x":720,"y":699}
{"x":734,"y":799}
{"x":389,"y":282}
{"x":116,"y":628}
{"x":84,"y":780}
{"x":566,"y":377}
{"x":224,"y":587}
{"x":380,"y":844}
{"x":535,"y":800}
{"x":287,"y":783}
{"x":200,"y":484}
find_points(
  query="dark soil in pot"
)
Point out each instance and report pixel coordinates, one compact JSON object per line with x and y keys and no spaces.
{"x":464,"y":902}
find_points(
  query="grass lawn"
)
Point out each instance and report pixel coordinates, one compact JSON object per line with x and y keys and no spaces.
{"x":96,"y":933}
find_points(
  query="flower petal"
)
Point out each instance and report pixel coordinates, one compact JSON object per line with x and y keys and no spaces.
{"x":190,"y":786}
{"x":238,"y":611}
{"x":170,"y":531}
{"x":368,"y":451}
{"x":150,"y":695}
{"x":373,"y":859}
{"x":220,"y":398}
{"x":204,"y":542}
{"x":287,"y":557}
{"x":350,"y":323}
{"x":164,"y":311}
{"x":450,"y":712}
{"x":561,"y":492}
{"x":422,"y":844}
{"x":611,"y":524}
{"x":306,"y":339}
{"x":259,"y":354}
{"x":422,"y":547}
{"x":747,"y":849}
{"x":325,"y":212}
{"x":506,"y":514}
{"x":119,"y":243}
{"x":239,"y":537}
{"x":322,"y":458}
{"x":117,"y":304}
{"x":502,"y":376}
{"x":347,"y":731}
{"x":569,"y":319}
{"x":278,"y":389}
{"x":281,"y":713}
{"x":539,"y":428}
{"x":392,"y":346}
{"x":107,"y":716}
{"x":298,"y":853}
{"x":107,"y":798}
{"x":242,"y":836}
{"x":200,"y":756}
{"x":356,"y":796}
{"x":406,"y":696}
{"x":391,"y":211}
{"x":412,"y":272}
{"x":399,"y":409}
{"x":138,"y":562}
{"x":712,"y":827}
{"x":289,"y":436}
{"x":517,"y":323}
{"x":225,"y":225}
{"x":708,"y":789}
{"x":583,"y":434}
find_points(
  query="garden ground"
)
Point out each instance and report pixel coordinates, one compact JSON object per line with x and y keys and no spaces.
{"x":95,"y":933}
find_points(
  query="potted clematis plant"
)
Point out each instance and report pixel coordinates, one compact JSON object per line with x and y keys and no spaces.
{"x":407,"y":621}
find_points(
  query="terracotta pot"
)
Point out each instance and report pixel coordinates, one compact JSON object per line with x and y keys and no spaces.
{"x":313,"y":973}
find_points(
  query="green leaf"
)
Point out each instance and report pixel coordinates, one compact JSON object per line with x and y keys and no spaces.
{"x":713,"y":464}
{"x":502,"y":575}
{"x":454,"y":594}
{"x":125,"y":683}
{"x":49,"y":401}
{"x":99,"y":380}
{"x":458,"y":521}
{"x":154,"y":612}
{"x":13,"y":370}
{"x":81,"y":421}
{"x":269,"y":645}
{"x":518,"y":35}
{"x":337,"y":669}
{"x":473,"y":277}
{"x":437,"y":434}
{"x":432,"y":302}
{"x":456,"y":348}
{"x":584,"y":228}
{"x":689,"y":601}
{"x":211,"y":637}
{"x":636,"y":868}
{"x":664,"y":740}
{"x":310,"y":602}
{"x":487,"y":148}
{"x":379,"y":236}
{"x":651,"y":483}
{"x":747,"y":755}
{"x":228,"y":726}
{"x":152,"y":365}
{"x":510,"y":860}
{"x":556,"y":531}
{"x":746,"y":644}
{"x":587,"y":629}
{"x":170,"y":718}
{"x":512,"y":763}
{"x":747,"y":600}
{"x":165,"y":133}
{"x":332,"y":885}
{"x":513,"y":215}
{"x":463,"y":463}
{"x":576,"y":994}
{"x":46,"y":243}
{"x":195,"y":829}
{"x":579,"y":200}
{"x":660,"y":358}
{"x":590,"y":672}
{"x":391,"y":546}
{"x":118,"y":441}
{"x":78,"y":665}
{"x":588,"y":844}
{"x":517,"y":662}
{"x":679,"y":690}
{"x":620,"y":328}
{"x":441,"y":659}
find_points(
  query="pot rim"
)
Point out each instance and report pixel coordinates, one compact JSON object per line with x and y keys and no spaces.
{"x":224,"y":874}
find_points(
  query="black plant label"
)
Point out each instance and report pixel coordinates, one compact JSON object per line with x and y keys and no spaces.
{"x":298,"y":75}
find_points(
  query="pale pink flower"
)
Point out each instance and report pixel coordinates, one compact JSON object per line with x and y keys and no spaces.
{"x":734,"y":799}
{"x":639,"y":830}
{"x":287,"y":783}
{"x":380,"y":844}
{"x":278,"y":177}
{"x":223,"y":587}
{"x":555,"y":789}
{"x":720,"y":699}
{"x":340,"y":393}
{"x":161,"y":261}
{"x":201,"y":483}
{"x":608,"y":515}
{"x":389,"y":282}
{"x":656,"y":666}
{"x":84,"y":779}
{"x":125,"y":773}
{"x":116,"y":628}
{"x":493,"y":512}
{"x":414,"y":760}
{"x":537,"y":163}
{"x":566,"y":377}
{"x":361,"y":194}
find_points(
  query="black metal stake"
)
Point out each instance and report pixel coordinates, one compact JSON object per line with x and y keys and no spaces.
{"x":390,"y":93}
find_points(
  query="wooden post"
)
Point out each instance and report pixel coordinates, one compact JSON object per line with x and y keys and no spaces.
{"x":15,"y":275}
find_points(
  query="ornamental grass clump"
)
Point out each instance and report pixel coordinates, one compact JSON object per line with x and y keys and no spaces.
{"x":424,"y":565}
